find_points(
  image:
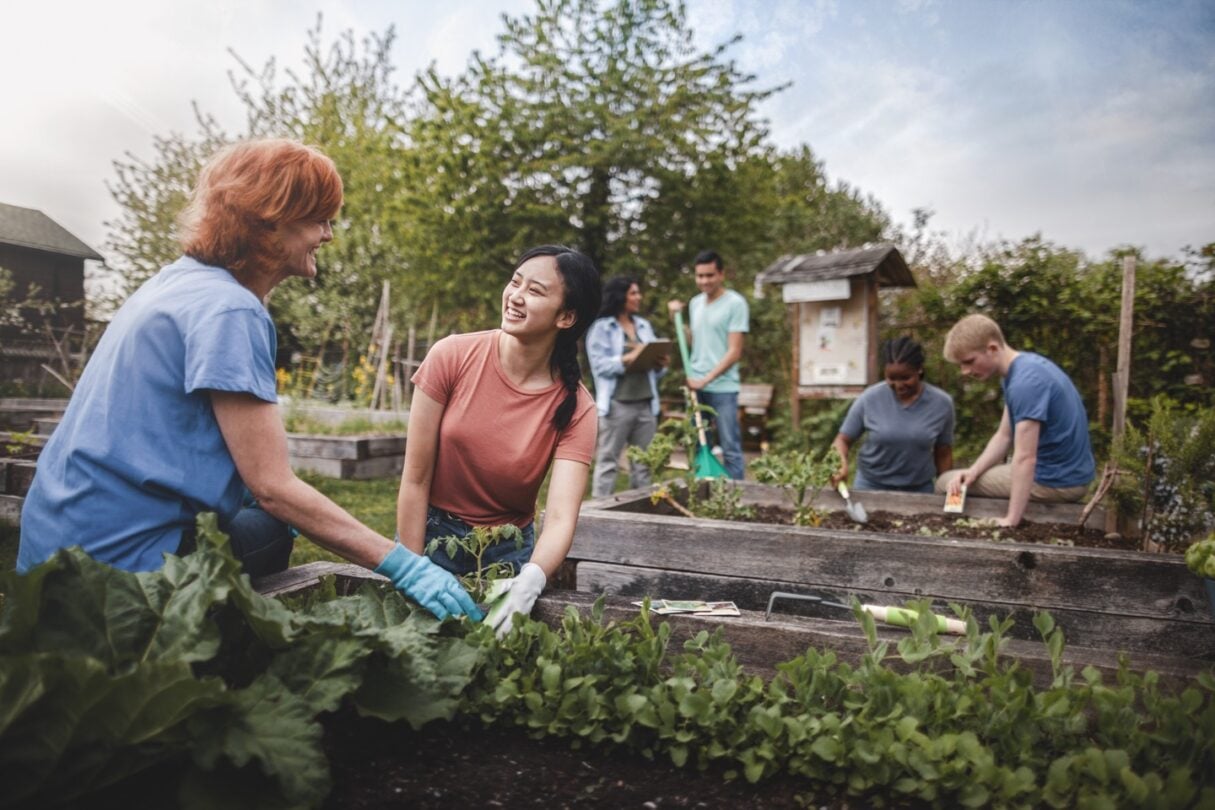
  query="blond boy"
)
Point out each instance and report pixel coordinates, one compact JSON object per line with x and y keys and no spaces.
{"x":1044,"y":423}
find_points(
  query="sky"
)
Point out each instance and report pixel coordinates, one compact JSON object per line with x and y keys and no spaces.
{"x":1090,"y":122}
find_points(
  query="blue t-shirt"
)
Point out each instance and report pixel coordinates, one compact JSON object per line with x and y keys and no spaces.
{"x":139,"y":452}
{"x":711,"y":325}
{"x":900,"y":439}
{"x":1037,"y":389}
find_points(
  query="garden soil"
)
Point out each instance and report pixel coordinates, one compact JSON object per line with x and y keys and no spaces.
{"x":453,"y":765}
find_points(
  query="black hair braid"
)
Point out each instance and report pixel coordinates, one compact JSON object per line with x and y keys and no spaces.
{"x":565,"y":359}
{"x":903,"y":350}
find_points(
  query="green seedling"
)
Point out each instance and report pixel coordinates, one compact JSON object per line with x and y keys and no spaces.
{"x":479,"y":583}
{"x":803,"y":475}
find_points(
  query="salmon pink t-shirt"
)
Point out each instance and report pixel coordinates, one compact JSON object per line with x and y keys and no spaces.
{"x":496,"y":440}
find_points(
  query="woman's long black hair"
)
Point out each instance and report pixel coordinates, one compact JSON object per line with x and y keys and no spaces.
{"x":581,"y":282}
{"x":615,"y":295}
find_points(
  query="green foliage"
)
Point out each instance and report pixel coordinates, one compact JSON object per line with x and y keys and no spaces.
{"x":475,"y":544}
{"x":20,"y":442}
{"x":1167,"y":475}
{"x":947,"y":723}
{"x":803,"y":474}
{"x":716,"y":499}
{"x":105,"y":673}
{"x":1200,"y":557}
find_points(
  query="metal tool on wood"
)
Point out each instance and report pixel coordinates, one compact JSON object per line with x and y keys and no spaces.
{"x":887,"y":614}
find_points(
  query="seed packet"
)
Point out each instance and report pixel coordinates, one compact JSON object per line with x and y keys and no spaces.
{"x":956,"y":502}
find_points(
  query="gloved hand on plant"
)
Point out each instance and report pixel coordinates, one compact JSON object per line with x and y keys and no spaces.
{"x":427,"y":584}
{"x":515,"y":595}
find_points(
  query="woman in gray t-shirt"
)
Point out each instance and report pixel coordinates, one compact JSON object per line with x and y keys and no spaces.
{"x":909,"y":425}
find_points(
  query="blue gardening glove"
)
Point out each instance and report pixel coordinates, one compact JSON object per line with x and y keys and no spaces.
{"x":427,"y":584}
{"x":519,"y":593}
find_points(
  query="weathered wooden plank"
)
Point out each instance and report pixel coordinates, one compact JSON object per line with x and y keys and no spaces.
{"x":10,"y":509}
{"x":16,"y":476}
{"x":759,"y":645}
{"x":899,"y":503}
{"x":46,"y":426}
{"x":1050,"y":577}
{"x":303,"y":577}
{"x":344,"y":447}
{"x":381,"y":467}
{"x":50,"y":404}
{"x":1186,"y":638}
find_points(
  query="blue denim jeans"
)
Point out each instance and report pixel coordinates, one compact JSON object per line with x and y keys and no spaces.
{"x":443,"y":524}
{"x":725,"y":424}
{"x":861,"y":484}
{"x":258,"y":539}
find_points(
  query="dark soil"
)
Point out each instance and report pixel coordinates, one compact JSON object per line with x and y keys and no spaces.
{"x":453,"y":765}
{"x":942,"y":525}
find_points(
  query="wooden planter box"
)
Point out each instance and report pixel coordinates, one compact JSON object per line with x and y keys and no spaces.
{"x":358,"y":457}
{"x":759,"y":642}
{"x":19,"y":414}
{"x":1149,"y":605}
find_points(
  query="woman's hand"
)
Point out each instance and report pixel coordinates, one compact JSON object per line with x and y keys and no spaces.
{"x":628,"y":357}
{"x":428,"y":584}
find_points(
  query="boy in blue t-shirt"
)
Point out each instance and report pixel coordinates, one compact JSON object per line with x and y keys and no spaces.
{"x":1044,"y":423}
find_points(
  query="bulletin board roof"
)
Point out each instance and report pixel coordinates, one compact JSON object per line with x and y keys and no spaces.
{"x":885,"y":260}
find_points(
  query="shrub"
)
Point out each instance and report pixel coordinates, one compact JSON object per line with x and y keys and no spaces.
{"x":1167,"y":480}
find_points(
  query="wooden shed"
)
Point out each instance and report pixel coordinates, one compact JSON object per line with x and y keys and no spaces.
{"x":40,"y":252}
{"x":833,"y":307}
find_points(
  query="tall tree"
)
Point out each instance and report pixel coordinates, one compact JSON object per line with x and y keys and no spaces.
{"x":595,"y":123}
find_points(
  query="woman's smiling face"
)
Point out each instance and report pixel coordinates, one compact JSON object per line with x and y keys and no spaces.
{"x":533,"y":300}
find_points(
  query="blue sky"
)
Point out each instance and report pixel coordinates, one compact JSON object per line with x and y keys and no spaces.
{"x":1092,"y":123}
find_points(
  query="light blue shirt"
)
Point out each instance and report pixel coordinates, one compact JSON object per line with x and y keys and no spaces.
{"x":139,"y":452}
{"x":605,"y":350}
{"x":711,"y":325}
{"x":1037,"y":389}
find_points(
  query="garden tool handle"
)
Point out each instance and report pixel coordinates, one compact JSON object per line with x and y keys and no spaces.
{"x":905,"y":618}
{"x":687,"y":368}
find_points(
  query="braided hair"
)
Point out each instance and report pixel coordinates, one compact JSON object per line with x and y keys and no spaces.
{"x":903,"y":350}
{"x":580,"y":280}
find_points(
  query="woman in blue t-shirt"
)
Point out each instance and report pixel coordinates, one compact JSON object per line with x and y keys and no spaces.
{"x":908,"y":425}
{"x":176,"y":412}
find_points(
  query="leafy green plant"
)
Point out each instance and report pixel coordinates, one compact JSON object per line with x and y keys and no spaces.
{"x":803,"y":474}
{"x":20,"y":442}
{"x":1200,"y":557}
{"x":722,"y":500}
{"x":105,"y":673}
{"x":1167,"y":475}
{"x":475,"y":544}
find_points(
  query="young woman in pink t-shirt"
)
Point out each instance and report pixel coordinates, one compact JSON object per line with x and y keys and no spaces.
{"x":492,"y":412}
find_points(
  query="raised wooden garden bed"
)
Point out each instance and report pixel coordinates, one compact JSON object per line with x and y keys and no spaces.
{"x":359,"y":457}
{"x":760,"y":641}
{"x":19,"y":414}
{"x":1148,"y":605}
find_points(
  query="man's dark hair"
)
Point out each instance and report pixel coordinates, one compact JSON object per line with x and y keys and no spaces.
{"x":708,"y":257}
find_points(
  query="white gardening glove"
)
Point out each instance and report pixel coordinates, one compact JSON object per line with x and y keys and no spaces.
{"x":519,"y":593}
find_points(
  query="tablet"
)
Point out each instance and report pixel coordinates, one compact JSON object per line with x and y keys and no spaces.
{"x":649,"y":356}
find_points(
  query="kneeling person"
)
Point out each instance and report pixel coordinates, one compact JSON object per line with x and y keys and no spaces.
{"x":1044,"y":423}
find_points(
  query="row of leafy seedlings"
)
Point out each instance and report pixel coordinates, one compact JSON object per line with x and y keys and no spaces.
{"x":105,"y":675}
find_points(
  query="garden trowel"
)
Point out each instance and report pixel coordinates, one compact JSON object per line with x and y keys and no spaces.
{"x":856,"y":510}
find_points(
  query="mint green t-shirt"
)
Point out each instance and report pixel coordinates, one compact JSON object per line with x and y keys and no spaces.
{"x":711,"y":325}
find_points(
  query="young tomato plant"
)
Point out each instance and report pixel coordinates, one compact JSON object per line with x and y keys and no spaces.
{"x":475,"y":544}
{"x":803,"y":474}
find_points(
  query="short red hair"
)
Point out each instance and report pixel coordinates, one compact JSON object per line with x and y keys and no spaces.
{"x":246,"y":192}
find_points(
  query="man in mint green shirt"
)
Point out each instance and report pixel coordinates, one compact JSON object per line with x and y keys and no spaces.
{"x":719,"y":320}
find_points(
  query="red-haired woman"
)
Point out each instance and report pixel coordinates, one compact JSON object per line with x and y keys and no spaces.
{"x":176,"y":411}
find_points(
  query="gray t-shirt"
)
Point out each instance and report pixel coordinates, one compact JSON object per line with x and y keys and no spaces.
{"x":898,"y":451}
